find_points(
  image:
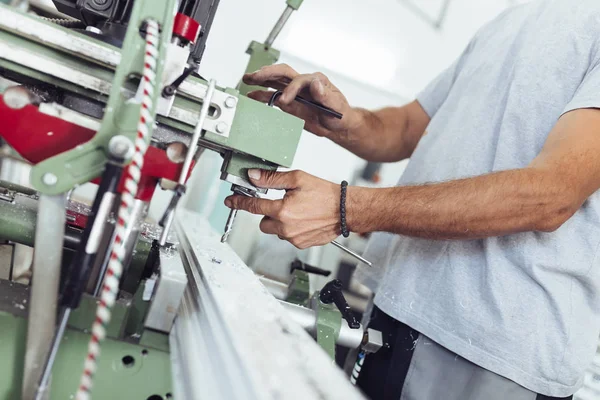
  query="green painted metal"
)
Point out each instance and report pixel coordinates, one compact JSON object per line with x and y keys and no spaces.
{"x":148,"y":375}
{"x":155,"y":340}
{"x":17,"y":224}
{"x":87,"y":161}
{"x":260,"y":56}
{"x":239,"y":164}
{"x":295,"y":4}
{"x":17,"y":188}
{"x":83,"y":317}
{"x":299,"y":288}
{"x":329,"y":324}
{"x":258,"y":130}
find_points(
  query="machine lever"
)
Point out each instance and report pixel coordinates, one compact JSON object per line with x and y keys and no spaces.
{"x":332,"y":293}
{"x":309,"y":103}
{"x":299,"y":265}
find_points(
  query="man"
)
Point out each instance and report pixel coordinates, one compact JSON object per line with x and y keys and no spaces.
{"x":491,"y":286}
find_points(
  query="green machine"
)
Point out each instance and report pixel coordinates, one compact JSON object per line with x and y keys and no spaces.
{"x":71,"y":104}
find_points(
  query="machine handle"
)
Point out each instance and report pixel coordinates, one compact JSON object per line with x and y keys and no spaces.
{"x":332,"y":293}
{"x":299,"y":265}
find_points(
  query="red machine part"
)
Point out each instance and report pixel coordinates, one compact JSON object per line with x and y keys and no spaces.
{"x":186,"y":28}
{"x":37,"y":136}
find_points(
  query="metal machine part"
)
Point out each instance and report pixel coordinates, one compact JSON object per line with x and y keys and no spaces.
{"x":241,"y":190}
{"x":248,"y":337}
{"x":261,"y":54}
{"x":168,"y":292}
{"x":167,"y":219}
{"x":307,"y":318}
{"x":44,"y":290}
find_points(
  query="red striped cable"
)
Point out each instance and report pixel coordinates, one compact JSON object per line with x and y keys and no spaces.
{"x":133,"y":175}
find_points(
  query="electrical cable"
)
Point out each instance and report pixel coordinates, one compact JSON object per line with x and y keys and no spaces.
{"x":133,"y":174}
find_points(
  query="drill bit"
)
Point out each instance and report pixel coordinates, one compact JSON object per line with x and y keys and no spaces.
{"x":229,"y":225}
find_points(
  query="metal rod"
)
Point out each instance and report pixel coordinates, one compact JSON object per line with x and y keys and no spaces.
{"x":229,"y":225}
{"x":287,"y":13}
{"x":47,"y":261}
{"x":352,"y":253}
{"x":197,"y":131}
{"x":167,"y":219}
{"x":62,"y":324}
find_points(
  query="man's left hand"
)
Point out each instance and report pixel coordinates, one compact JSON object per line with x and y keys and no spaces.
{"x":307,"y":216}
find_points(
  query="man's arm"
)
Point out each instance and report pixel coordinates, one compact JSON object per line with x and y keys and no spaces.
{"x":539,"y":197}
{"x":387,"y":135}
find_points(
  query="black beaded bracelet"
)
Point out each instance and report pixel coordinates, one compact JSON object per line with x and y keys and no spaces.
{"x":345,"y":231}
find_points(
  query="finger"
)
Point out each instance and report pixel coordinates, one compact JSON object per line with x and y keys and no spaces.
{"x":275,"y":180}
{"x":292,"y":90}
{"x":270,"y":226}
{"x":270,"y":73}
{"x":264,"y":96}
{"x":254,"y":205}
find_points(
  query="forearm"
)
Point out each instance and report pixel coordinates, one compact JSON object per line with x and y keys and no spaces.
{"x":387,"y":135}
{"x":490,"y":205}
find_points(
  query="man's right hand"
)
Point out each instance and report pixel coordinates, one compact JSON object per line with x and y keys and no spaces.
{"x":315,"y":87}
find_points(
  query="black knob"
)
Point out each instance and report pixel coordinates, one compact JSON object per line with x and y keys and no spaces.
{"x":332,"y":293}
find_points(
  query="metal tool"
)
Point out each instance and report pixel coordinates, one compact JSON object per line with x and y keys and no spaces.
{"x":167,"y":219}
{"x":352,"y":253}
{"x":233,"y":213}
{"x":309,"y":103}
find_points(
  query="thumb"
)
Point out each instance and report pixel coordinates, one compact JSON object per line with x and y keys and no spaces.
{"x":273,"y":179}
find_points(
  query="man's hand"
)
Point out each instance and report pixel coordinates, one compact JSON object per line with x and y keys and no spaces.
{"x":387,"y":135}
{"x":315,"y":87}
{"x":308,"y":215}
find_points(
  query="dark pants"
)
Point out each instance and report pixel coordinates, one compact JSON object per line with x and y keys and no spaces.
{"x":413,"y":367}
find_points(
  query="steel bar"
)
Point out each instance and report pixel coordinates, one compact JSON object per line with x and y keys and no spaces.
{"x":60,"y":330}
{"x":352,"y":253}
{"x":50,"y":228}
{"x":287,"y":13}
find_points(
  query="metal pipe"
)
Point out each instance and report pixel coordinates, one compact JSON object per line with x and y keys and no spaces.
{"x":307,"y":319}
{"x":287,"y":13}
{"x":278,"y":289}
{"x":50,"y":228}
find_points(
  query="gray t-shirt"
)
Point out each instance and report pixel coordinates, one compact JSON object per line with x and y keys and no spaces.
{"x":525,"y":306}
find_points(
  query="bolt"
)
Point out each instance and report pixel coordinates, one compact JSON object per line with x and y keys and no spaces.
{"x":230,"y":102}
{"x":221,"y":127}
{"x":17,"y":97}
{"x":120,"y":147}
{"x":49,"y":179}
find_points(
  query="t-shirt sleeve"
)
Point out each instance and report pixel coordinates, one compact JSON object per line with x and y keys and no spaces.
{"x":433,"y":96}
{"x":588,"y":93}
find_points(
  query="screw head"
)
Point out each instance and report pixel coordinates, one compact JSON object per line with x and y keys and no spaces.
{"x":221,"y":127}
{"x":230,"y":102}
{"x":49,"y":179}
{"x":120,"y":147}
